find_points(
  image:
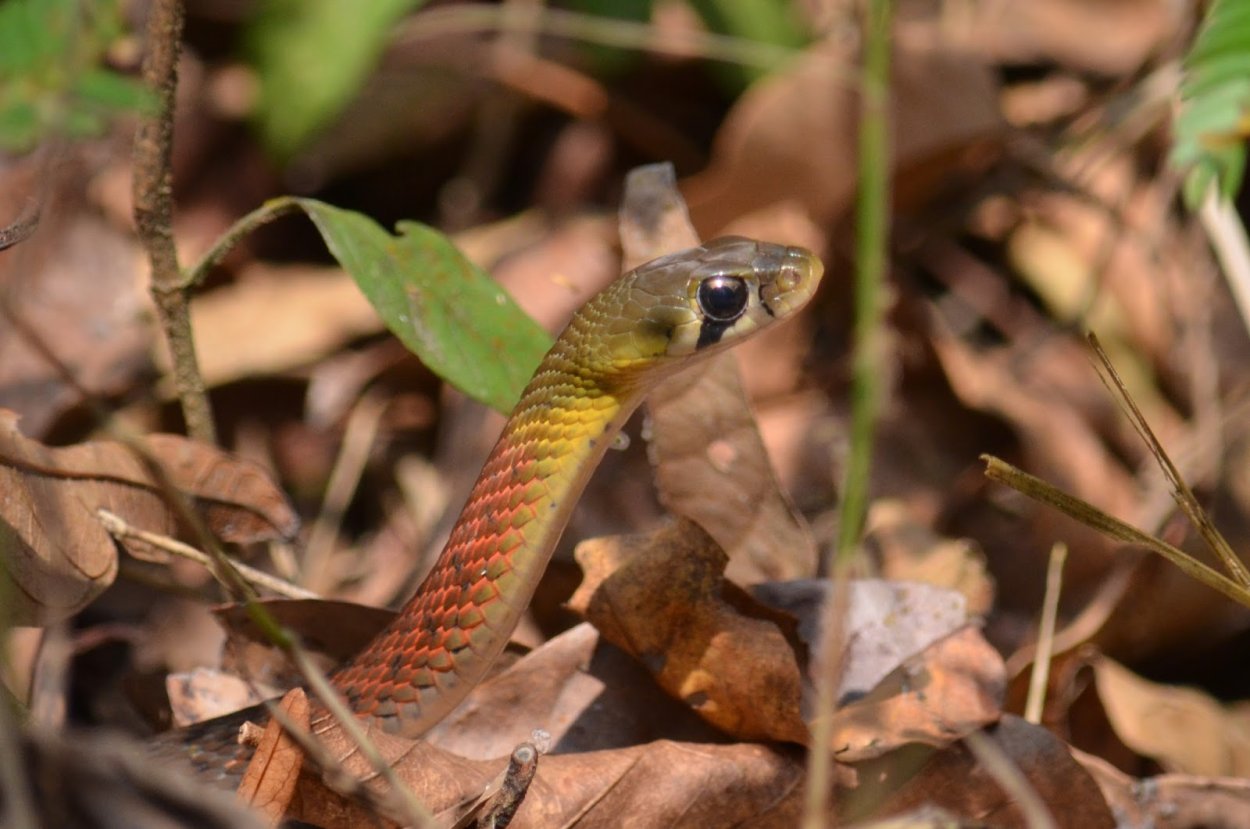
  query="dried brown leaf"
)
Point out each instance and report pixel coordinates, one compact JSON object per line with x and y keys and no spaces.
{"x":1183,"y":729}
{"x":585,"y":693}
{"x":711,"y":466}
{"x":887,"y":623}
{"x":1170,"y":801}
{"x":73,"y":284}
{"x":943,"y":102}
{"x":952,"y":688}
{"x":663,"y":783}
{"x":662,"y":598}
{"x":274,"y":319}
{"x":272,"y":776}
{"x":333,"y":628}
{"x":908,"y":550}
{"x":59,"y":556}
{"x":953,"y":780}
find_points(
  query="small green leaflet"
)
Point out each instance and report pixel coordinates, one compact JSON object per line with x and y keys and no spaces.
{"x":448,"y":312}
{"x":1215,"y":103}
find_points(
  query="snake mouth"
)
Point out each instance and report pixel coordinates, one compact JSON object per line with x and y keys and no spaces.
{"x":788,"y":280}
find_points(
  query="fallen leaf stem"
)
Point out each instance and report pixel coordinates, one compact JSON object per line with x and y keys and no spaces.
{"x":120,"y":529}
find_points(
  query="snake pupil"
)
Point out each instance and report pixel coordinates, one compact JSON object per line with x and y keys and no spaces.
{"x":723,"y":298}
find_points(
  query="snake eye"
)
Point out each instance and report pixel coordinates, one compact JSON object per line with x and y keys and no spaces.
{"x":723,"y":298}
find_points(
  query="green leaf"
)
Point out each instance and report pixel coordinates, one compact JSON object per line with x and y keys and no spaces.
{"x":449,"y":312}
{"x":1214,"y":116}
{"x":312,"y":56}
{"x":765,"y":21}
{"x":112,"y":92}
{"x":52,"y":82}
{"x":19,"y":126}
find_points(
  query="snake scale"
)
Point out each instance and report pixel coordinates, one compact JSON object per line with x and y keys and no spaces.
{"x":655,"y":320}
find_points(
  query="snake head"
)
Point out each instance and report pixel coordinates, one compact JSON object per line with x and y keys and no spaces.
{"x":694,"y":302}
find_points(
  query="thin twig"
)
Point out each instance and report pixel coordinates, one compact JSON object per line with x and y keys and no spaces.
{"x":121,"y":530}
{"x":522,"y":766}
{"x":20,"y":229}
{"x":1046,"y":634}
{"x":153,"y":195}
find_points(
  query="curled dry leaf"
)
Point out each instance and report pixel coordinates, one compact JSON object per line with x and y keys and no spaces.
{"x":952,"y":688}
{"x":271,"y":777}
{"x":1183,"y":729}
{"x":1170,"y":801}
{"x":914,"y":672}
{"x":58,"y":555}
{"x":663,"y":599}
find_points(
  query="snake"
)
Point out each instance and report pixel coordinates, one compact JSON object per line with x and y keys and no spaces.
{"x":662,"y":317}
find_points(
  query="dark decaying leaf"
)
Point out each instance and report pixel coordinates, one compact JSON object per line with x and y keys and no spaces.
{"x":91,"y":781}
{"x":952,"y":779}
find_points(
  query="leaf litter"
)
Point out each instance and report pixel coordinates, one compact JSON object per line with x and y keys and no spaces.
{"x":1027,"y":208}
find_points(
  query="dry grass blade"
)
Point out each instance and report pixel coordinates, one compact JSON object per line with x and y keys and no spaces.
{"x":999,"y":470}
{"x":1181,"y":492}
{"x":1046,"y":634}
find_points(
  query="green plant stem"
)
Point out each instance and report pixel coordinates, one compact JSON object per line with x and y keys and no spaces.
{"x":263,"y":215}
{"x":871,"y":239}
{"x":871,"y":244}
{"x":153,"y":195}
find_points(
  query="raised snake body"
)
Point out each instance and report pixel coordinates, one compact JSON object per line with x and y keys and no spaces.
{"x":654,"y":320}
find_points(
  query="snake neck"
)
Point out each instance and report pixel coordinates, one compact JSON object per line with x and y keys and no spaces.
{"x":447,"y":635}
